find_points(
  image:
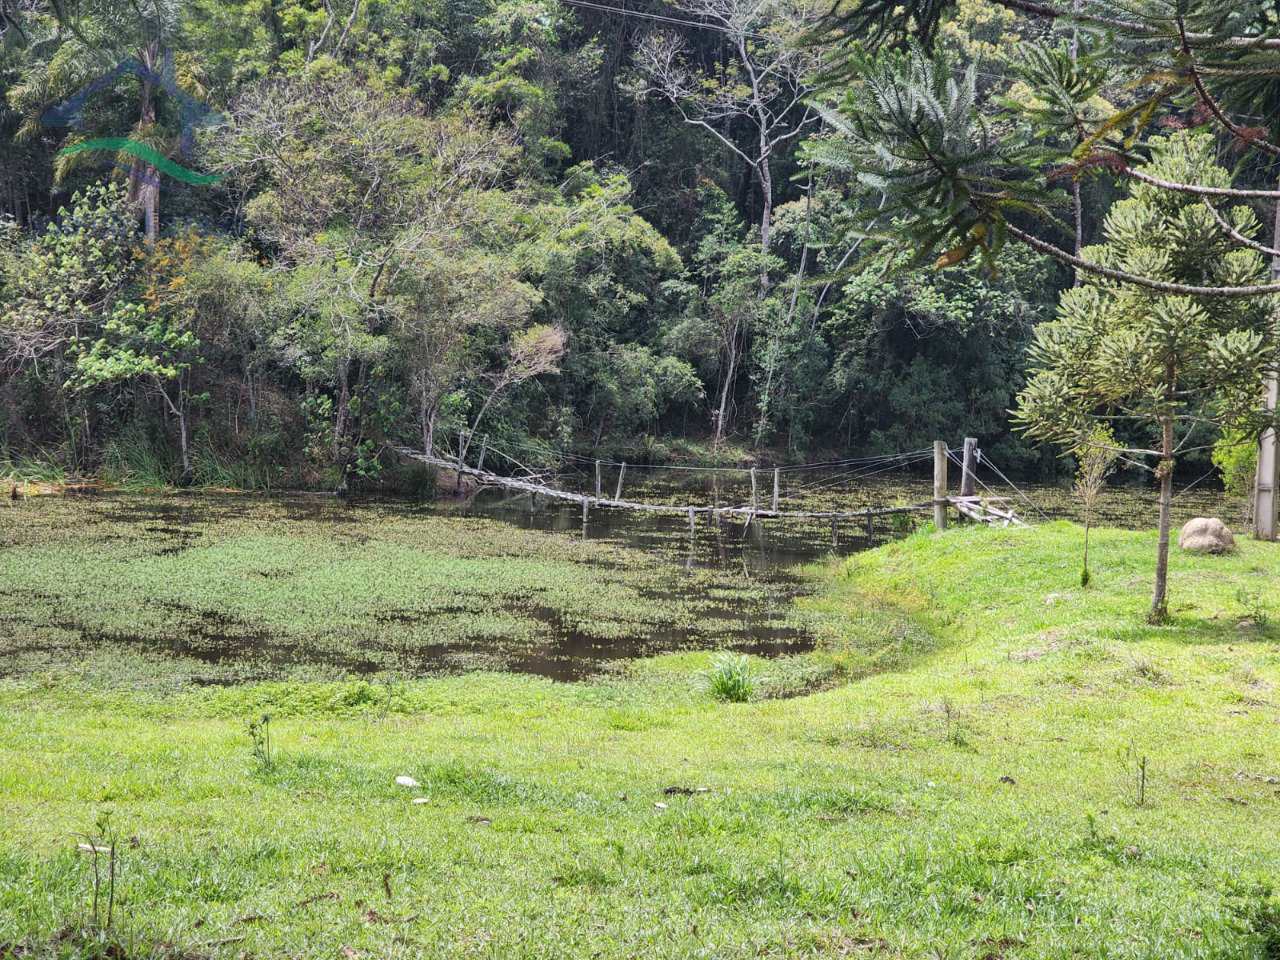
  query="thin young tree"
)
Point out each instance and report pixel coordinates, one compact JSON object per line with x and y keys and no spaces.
{"x":360,"y":192}
{"x":532,"y":352}
{"x":1159,"y":369}
{"x":447,"y":299}
{"x":1095,"y":456}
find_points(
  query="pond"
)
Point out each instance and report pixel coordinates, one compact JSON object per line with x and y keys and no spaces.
{"x":772,"y":548}
{"x":174,"y":588}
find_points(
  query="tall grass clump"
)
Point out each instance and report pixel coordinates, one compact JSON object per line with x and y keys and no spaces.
{"x":731,"y":679}
{"x":214,"y":468}
{"x":29,"y":470}
{"x":133,"y":458}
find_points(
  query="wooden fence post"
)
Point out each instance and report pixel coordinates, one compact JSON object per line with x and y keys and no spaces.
{"x":835,"y":533}
{"x":970,"y":466}
{"x":586,"y":505}
{"x":777,"y":486}
{"x":484,"y":448}
{"x":598,"y":479}
{"x":940,"y":484}
{"x":755,"y":500}
{"x":871,"y":531}
{"x":691,"y":522}
{"x":621,"y":473}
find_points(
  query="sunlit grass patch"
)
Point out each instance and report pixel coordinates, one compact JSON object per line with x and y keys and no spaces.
{"x":980,"y":760}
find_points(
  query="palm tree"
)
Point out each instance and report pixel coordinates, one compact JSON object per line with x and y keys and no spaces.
{"x":100,"y":54}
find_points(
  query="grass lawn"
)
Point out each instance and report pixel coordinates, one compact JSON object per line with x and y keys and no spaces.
{"x":971,"y":789}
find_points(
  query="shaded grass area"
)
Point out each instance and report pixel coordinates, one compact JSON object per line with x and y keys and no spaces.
{"x":972,"y":792}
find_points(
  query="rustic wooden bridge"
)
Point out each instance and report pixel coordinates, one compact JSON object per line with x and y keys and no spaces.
{"x":993,"y":510}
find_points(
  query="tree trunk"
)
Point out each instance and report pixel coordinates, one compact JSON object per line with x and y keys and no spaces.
{"x":484,"y":408}
{"x":178,"y":413}
{"x":188,"y":475}
{"x":1084,"y":570}
{"x":144,"y":179}
{"x":731,"y":345}
{"x":342,"y":417}
{"x":1159,"y":602}
{"x":1077,"y":207}
{"x":253,"y":399}
{"x":151,"y":205}
{"x":428,"y":421}
{"x":1268,"y":474}
{"x":340,"y":413}
{"x":766,"y":214}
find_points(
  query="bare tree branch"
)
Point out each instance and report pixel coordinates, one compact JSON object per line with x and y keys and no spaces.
{"x":1160,"y":286}
{"x":1236,"y":235}
{"x":1198,"y":190}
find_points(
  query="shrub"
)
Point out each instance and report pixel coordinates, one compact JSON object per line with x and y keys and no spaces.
{"x":1236,"y":455}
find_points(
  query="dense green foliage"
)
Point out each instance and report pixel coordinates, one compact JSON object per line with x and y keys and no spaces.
{"x":568,"y":228}
{"x":413,"y":198}
{"x":1130,"y":360}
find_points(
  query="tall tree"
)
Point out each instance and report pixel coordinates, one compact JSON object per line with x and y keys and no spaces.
{"x":153,"y":340}
{"x":1133,"y":359}
{"x":354,"y":188}
{"x":450,"y":301}
{"x":103,"y":49}
{"x":58,"y":289}
{"x":763,"y":87}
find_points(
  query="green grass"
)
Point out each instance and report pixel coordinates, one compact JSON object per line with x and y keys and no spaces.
{"x":970,"y":792}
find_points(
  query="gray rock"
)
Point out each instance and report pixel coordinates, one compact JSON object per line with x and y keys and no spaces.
{"x":1206,"y":535}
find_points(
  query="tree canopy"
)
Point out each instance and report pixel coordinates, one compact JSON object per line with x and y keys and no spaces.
{"x":759,"y":225}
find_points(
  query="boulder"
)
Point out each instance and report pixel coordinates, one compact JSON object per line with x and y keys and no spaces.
{"x":1206,"y":535}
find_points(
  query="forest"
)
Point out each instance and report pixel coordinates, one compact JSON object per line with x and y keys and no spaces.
{"x":564,"y":226}
{"x":260,"y":244}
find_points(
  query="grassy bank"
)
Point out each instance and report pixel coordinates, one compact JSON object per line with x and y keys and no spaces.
{"x":976,"y":788}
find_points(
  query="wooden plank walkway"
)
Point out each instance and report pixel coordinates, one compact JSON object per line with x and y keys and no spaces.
{"x":980,"y":509}
{"x":985,"y":510}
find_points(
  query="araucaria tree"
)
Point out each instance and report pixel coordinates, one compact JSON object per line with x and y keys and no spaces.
{"x":956,"y":183}
{"x":1163,"y":370}
{"x":1096,"y":456}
